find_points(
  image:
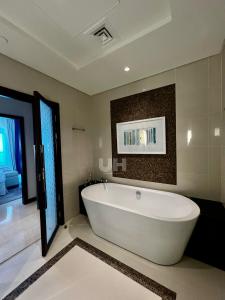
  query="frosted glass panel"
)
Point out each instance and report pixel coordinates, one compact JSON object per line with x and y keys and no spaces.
{"x":1,"y":142}
{"x":49,"y":162}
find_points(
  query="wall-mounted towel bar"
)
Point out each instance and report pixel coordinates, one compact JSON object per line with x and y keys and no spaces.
{"x":78,"y":129}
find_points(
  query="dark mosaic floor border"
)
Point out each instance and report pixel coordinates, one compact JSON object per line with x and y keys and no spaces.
{"x":145,"y":281}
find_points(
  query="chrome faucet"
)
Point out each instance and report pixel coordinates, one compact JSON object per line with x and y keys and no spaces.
{"x":104,"y":181}
{"x":105,"y":184}
{"x":138,"y":195}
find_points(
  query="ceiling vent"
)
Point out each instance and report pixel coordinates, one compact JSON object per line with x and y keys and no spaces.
{"x":103,"y":35}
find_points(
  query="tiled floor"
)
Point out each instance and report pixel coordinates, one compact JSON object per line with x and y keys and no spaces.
{"x":90,"y":279}
{"x":19,"y":227}
{"x":192,"y":280}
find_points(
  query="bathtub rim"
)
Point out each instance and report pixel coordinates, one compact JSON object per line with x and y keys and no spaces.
{"x":190,"y":217}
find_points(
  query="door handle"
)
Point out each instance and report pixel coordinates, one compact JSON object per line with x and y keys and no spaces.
{"x":43,"y":177}
{"x":34,"y":150}
{"x":44,"y":188}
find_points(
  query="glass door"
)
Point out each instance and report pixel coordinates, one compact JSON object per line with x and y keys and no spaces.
{"x":47,"y":156}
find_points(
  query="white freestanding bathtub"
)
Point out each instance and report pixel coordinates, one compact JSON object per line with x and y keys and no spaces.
{"x":154,"y":224}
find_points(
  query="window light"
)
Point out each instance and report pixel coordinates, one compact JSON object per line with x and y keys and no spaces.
{"x":1,"y":142}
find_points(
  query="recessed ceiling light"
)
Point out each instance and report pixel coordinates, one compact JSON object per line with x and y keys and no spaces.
{"x":126,"y":69}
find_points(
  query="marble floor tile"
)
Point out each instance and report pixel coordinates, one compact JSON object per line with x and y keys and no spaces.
{"x":190,"y":279}
{"x":19,"y":227}
{"x":88,"y":278}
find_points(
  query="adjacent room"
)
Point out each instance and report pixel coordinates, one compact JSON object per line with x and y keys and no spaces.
{"x":19,"y":216}
{"x":10,"y":160}
{"x":112,"y":149}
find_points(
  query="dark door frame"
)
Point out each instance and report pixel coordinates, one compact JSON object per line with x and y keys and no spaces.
{"x":40,"y":170}
{"x":25,"y":199}
{"x":20,"y":96}
{"x":58,"y":155}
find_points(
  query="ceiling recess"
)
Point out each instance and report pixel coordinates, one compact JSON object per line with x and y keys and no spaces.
{"x":104,"y":35}
{"x":3,"y":39}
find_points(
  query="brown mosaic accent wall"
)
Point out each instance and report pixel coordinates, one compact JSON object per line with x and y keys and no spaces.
{"x":151,"y":104}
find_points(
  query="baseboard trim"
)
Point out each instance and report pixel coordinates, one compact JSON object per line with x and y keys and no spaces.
{"x":30,"y":200}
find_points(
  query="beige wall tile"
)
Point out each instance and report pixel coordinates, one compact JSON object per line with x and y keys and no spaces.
{"x":198,"y":108}
{"x":193,"y":185}
{"x":214,"y":174}
{"x":223,"y":130}
{"x":215,"y":84}
{"x":152,"y":82}
{"x":215,"y":101}
{"x":74,"y":110}
{"x":198,"y":105}
{"x":223,"y":191}
{"x":192,"y":89}
{"x":215,"y":71}
{"x":193,"y":160}
{"x":197,"y":126}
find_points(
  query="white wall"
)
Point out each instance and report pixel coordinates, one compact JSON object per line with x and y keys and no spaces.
{"x":23,"y":109}
{"x":74,"y":110}
{"x":198,"y":108}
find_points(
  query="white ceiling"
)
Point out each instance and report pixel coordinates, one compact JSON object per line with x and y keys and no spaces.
{"x":150,"y":36}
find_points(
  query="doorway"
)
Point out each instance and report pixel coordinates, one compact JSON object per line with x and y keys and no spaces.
{"x":19,"y":216}
{"x":13,"y":170}
{"x":48,"y":166}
